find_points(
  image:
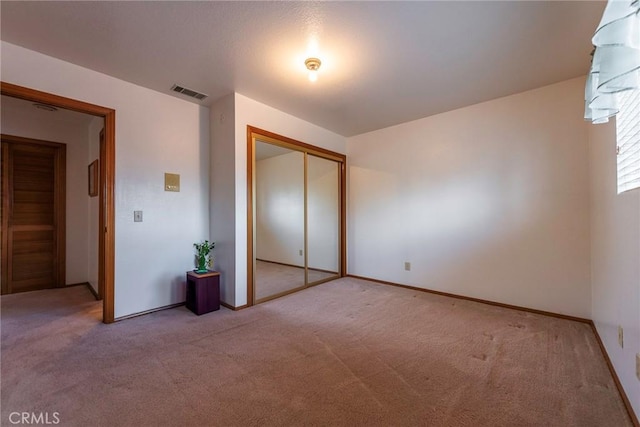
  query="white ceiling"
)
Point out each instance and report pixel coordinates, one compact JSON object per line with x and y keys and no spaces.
{"x":384,"y":63}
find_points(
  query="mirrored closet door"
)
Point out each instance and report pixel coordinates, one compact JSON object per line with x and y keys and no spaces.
{"x":295,"y":216}
{"x":279,"y":220}
{"x":323,"y":219}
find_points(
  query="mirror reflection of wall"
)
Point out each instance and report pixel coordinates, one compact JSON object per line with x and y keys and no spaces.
{"x":279,"y":220}
{"x":323,"y":218}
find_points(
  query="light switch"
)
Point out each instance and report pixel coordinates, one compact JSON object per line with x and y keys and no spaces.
{"x":137,"y":216}
{"x":171,"y":182}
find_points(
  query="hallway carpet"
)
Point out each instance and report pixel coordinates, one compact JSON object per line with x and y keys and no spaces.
{"x":345,"y":353}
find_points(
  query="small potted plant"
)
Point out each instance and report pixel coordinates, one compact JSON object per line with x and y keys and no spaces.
{"x":203,"y":257}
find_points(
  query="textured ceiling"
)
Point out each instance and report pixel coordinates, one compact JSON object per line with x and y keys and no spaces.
{"x":384,"y":63}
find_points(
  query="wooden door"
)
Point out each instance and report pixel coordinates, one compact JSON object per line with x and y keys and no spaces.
{"x":33,"y":214}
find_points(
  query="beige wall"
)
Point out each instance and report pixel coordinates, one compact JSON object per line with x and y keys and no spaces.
{"x":222,"y":212}
{"x":615,"y":255}
{"x":323,"y":214}
{"x":280,"y":208}
{"x":489,"y":201}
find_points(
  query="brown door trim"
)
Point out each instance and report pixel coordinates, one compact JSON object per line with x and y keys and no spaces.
{"x":101,"y":214}
{"x":107,"y":200}
{"x":60,"y":223}
{"x":5,"y":219}
{"x":250,"y":209}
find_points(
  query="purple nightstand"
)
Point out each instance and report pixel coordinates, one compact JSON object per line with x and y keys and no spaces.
{"x":203,"y":292}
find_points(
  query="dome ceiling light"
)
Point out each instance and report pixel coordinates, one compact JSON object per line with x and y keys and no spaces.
{"x":312,"y":64}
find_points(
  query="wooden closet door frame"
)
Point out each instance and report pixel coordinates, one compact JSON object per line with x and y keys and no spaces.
{"x":254,"y":133}
{"x":107,"y":201}
{"x":59,"y":206}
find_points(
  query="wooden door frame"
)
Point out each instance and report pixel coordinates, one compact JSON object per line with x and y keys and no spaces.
{"x":101,"y":213}
{"x":107,"y":201}
{"x":59,"y":219}
{"x":5,"y":219}
{"x":254,"y":133}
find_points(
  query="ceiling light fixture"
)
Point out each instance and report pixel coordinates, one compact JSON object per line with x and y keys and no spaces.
{"x":313,"y":64}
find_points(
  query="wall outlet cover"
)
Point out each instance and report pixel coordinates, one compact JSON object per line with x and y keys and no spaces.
{"x":137,"y":216}
{"x":407,"y":266}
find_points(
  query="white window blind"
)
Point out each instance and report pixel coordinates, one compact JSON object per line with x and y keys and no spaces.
{"x":628,"y":137}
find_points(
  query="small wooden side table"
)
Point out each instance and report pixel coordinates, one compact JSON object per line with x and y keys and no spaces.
{"x":203,"y":291}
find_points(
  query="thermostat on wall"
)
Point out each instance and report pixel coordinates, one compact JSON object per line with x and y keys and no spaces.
{"x":171,"y":182}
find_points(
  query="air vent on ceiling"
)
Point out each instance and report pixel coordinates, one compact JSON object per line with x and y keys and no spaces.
{"x":188,"y":92}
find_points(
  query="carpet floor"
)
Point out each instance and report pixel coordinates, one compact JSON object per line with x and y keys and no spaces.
{"x":273,"y":278}
{"x":347,"y":353}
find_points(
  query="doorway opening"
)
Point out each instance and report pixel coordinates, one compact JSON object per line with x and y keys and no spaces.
{"x":106,"y":226}
{"x":296,"y":230}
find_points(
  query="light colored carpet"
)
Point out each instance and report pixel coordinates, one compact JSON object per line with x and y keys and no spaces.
{"x":272,"y":278}
{"x":346,"y":353}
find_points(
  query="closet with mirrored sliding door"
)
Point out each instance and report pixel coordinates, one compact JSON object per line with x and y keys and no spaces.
{"x":295,"y":216}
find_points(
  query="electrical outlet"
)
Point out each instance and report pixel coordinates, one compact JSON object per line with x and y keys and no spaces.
{"x":407,"y":266}
{"x":137,"y":216}
{"x":620,"y":336}
{"x":638,"y":366}
{"x":300,"y":252}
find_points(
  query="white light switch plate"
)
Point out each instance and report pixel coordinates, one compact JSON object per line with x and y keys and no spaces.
{"x":137,"y":216}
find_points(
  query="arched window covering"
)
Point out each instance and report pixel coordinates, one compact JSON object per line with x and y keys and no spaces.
{"x":616,"y":61}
